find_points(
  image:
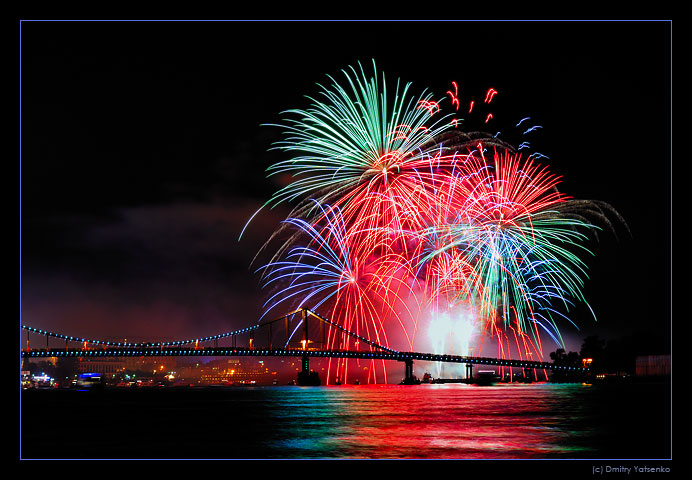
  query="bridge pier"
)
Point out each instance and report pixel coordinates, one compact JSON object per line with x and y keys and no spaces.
{"x":409,"y":378}
{"x":469,"y":371}
{"x":305,"y":376}
{"x":528,"y":375}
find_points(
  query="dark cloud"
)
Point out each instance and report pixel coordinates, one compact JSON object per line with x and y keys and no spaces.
{"x":178,"y":267}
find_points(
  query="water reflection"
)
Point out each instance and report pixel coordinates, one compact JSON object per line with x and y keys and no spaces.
{"x":439,"y":421}
{"x":444,"y":421}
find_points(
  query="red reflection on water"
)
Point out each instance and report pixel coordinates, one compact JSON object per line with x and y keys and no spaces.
{"x":454,"y":421}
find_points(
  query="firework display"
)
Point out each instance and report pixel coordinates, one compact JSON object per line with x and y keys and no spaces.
{"x":401,"y":220}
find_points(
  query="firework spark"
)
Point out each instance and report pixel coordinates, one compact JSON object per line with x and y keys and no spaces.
{"x":516,"y":244}
{"x":365,"y":292}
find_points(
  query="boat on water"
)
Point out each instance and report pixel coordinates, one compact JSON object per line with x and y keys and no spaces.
{"x":449,"y":380}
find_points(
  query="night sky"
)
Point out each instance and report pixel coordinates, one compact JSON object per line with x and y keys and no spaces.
{"x":143,"y":155}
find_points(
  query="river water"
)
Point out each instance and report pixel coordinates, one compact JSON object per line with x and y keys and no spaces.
{"x":448,"y":421}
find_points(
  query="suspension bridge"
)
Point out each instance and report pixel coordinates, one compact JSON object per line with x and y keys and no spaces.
{"x":302,"y":333}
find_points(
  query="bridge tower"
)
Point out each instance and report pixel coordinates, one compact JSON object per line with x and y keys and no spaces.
{"x":307,"y":377}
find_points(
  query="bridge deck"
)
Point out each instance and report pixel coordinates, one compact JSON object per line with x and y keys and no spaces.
{"x":241,"y":352}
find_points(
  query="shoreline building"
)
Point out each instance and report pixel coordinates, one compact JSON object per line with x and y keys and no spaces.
{"x":233,"y":372}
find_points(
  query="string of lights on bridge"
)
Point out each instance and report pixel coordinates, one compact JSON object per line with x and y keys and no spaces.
{"x":199,"y":340}
{"x":362,"y":339}
{"x":398,"y":356}
{"x":138,"y":344}
{"x":157,"y":349}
